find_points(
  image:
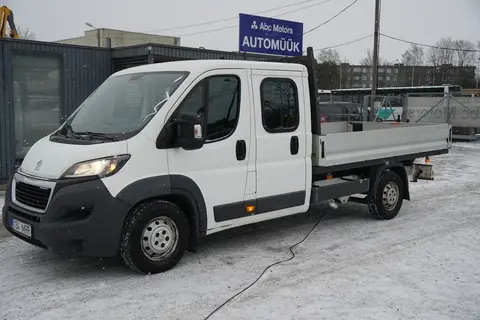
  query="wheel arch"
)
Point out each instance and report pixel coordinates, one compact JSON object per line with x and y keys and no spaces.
{"x":398,"y":168}
{"x":177,"y":189}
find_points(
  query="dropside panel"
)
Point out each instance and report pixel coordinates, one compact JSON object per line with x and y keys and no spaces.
{"x":359,"y":146}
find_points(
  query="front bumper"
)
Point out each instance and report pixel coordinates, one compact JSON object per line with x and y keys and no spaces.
{"x":81,"y":218}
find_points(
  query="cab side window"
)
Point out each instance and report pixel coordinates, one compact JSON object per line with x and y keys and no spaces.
{"x":280,"y":111}
{"x":222,"y":106}
{"x":216,"y":101}
{"x":194,"y":102}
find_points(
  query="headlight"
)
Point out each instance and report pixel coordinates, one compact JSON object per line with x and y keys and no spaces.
{"x":99,"y":167}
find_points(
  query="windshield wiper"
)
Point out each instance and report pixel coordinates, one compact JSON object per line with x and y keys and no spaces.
{"x":86,"y":134}
{"x":70,"y":133}
{"x":155,"y":108}
{"x":95,"y":135}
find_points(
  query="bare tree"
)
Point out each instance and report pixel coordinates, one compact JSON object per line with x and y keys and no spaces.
{"x":26,"y":34}
{"x":465,"y":53}
{"x":443,"y":53}
{"x":451,"y":51}
{"x":329,"y":55}
{"x":368,"y":60}
{"x":413,"y":56}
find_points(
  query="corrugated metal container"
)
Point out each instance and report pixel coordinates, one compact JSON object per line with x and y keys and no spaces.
{"x":82,"y":70}
{"x":182,"y":53}
{"x":137,"y":55}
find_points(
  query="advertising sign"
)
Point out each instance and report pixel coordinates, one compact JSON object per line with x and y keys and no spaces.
{"x":270,"y":36}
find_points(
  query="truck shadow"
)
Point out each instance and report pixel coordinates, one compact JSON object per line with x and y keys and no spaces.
{"x":224,"y":247}
{"x":278,"y":229}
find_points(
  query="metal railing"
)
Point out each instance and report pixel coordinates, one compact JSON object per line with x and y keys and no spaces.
{"x":457,"y":109}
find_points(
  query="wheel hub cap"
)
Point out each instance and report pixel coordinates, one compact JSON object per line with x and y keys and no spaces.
{"x":390,"y":196}
{"x":159,"y":238}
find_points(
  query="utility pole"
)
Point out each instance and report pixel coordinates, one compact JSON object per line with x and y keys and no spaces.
{"x":376,"y":44}
{"x":413,"y":74}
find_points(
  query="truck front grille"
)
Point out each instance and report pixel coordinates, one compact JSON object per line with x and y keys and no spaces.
{"x":32,"y":196}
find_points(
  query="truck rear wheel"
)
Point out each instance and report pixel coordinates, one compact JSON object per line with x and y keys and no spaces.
{"x":155,"y":237}
{"x":386,"y":201}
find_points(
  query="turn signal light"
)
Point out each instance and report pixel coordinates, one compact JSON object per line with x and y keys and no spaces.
{"x":250,"y":209}
{"x":427,"y":160}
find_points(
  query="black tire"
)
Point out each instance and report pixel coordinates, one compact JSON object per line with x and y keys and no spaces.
{"x":386,"y":210}
{"x":133,"y":243}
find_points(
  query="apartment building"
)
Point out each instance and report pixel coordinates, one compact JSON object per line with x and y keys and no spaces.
{"x":400,"y":75}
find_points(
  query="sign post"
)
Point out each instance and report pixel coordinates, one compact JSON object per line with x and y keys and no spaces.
{"x":270,"y":36}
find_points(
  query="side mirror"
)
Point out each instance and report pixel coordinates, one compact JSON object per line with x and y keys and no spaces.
{"x":188,"y":132}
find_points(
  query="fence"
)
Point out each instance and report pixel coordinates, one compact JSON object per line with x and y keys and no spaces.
{"x":462,"y":111}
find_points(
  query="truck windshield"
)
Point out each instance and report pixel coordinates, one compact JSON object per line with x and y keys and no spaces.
{"x":124,"y":104}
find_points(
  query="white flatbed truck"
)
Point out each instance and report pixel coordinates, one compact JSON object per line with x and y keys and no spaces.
{"x":163,"y":154}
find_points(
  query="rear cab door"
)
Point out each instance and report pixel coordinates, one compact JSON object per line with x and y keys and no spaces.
{"x":282,"y":152}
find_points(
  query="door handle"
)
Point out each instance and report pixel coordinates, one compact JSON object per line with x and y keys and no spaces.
{"x":294,"y":145}
{"x":241,"y":150}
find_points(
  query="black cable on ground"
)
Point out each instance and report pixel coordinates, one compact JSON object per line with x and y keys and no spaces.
{"x":268,"y":267}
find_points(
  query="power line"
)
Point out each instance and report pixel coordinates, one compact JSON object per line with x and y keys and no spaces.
{"x":325,"y":22}
{"x":208,"y":31}
{"x":302,"y":8}
{"x":345,"y":43}
{"x":278,"y":15}
{"x":233,"y":18}
{"x":427,"y":45}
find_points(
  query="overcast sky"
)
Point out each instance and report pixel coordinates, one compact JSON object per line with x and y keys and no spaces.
{"x":423,"y":21}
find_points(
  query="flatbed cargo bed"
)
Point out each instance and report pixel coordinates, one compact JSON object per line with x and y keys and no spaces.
{"x":344,"y":145}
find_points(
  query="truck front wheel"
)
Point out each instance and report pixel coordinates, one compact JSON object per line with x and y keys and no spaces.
{"x":385,"y":202}
{"x":155,"y":237}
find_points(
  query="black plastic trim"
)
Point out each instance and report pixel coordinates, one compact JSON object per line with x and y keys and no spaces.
{"x":241,"y":150}
{"x":186,"y":185}
{"x":236,"y":210}
{"x":396,"y":167}
{"x":294,"y":145}
{"x":66,"y":227}
{"x":145,"y":189}
{"x":169,"y":185}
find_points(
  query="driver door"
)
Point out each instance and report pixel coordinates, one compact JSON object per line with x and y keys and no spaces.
{"x":220,"y":99}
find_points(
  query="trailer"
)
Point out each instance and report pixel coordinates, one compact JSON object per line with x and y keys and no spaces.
{"x":163,"y":154}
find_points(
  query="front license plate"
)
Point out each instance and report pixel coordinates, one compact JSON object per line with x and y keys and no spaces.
{"x":21,"y":227}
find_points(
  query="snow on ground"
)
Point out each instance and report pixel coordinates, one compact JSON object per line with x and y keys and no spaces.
{"x":425,"y":264}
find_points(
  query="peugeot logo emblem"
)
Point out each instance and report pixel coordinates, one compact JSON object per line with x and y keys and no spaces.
{"x":39,"y":164}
